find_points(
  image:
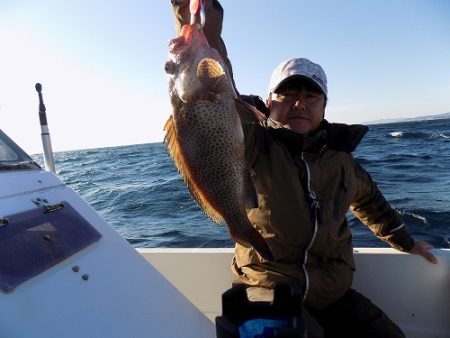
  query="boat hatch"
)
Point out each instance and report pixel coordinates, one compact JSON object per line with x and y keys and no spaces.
{"x":35,"y":240}
{"x":12,"y":157}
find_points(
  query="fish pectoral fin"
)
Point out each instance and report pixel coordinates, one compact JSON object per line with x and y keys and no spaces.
{"x":212,"y":75}
{"x":249,"y":113}
{"x":175,"y":151}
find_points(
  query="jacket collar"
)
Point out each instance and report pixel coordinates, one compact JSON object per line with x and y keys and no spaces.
{"x":336,"y":136}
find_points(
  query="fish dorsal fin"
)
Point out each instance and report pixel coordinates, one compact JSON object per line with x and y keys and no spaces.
{"x":173,"y":146}
{"x":211,"y":73}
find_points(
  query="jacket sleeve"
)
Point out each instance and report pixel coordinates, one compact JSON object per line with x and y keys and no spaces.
{"x":372,"y":209}
{"x":212,"y":28}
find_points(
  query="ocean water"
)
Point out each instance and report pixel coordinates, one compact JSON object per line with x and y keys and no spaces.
{"x":138,"y":191}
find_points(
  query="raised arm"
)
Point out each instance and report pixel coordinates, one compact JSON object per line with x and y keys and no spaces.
{"x":212,"y":28}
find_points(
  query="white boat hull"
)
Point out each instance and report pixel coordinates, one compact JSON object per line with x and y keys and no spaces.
{"x":412,"y":291}
{"x":122,"y":296}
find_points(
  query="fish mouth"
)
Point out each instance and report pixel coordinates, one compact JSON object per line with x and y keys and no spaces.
{"x":182,"y":42}
{"x":177,"y":45}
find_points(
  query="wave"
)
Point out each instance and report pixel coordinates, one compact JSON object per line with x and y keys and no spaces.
{"x":396,"y":134}
{"x":428,"y":225}
{"x":417,"y":134}
{"x":439,"y":136}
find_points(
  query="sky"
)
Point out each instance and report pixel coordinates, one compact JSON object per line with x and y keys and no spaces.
{"x":101,"y":63}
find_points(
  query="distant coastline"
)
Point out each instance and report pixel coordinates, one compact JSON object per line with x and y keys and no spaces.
{"x":411,"y":119}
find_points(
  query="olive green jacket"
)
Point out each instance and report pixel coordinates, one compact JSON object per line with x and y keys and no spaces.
{"x":305,"y":186}
{"x":309,"y":237}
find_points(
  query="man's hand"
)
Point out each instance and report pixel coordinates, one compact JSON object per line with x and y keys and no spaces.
{"x":422,"y":248}
{"x":179,"y":2}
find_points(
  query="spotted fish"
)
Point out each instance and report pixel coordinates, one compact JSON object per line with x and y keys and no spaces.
{"x":204,"y":136}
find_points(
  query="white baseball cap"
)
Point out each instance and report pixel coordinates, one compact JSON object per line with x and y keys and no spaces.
{"x":298,"y":67}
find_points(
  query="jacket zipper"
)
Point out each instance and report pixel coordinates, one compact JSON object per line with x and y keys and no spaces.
{"x":315,"y":210}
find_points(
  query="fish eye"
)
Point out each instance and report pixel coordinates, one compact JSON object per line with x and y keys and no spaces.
{"x":170,"y":67}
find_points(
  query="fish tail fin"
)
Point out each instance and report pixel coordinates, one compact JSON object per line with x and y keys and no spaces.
{"x":253,"y":238}
{"x":257,"y":241}
{"x":250,"y":191}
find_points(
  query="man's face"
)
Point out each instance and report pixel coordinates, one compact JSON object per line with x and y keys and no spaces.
{"x":297,"y":106}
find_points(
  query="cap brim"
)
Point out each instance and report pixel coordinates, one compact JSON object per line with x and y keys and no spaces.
{"x":300,"y":78}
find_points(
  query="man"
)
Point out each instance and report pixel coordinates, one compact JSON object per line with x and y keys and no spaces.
{"x":306,"y":180}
